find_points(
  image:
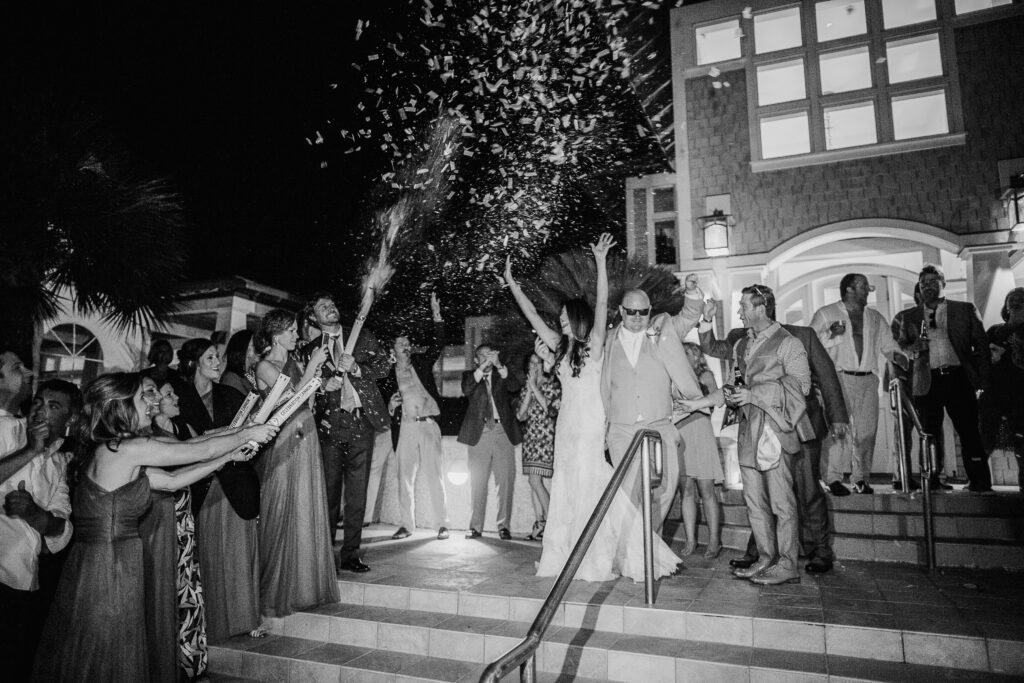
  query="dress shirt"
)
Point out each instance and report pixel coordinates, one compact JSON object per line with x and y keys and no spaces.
{"x":482,"y":376}
{"x":789,"y":351}
{"x":336,"y":347}
{"x":631,"y":342}
{"x":12,"y":432}
{"x":842,"y":349}
{"x":940,"y":350}
{"x":45,"y":477}
{"x":416,"y":400}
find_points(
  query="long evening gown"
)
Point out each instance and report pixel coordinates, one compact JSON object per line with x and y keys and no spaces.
{"x":580,"y":476}
{"x":158,"y":529}
{"x":296,"y":559}
{"x":96,"y":629}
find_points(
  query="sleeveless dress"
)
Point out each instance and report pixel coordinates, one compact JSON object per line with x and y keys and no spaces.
{"x":580,"y":476}
{"x":296,"y":559}
{"x":539,"y":434}
{"x":96,"y":629}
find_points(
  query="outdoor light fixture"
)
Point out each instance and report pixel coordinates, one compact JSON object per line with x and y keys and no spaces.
{"x":1014,"y":198}
{"x":716,"y":232}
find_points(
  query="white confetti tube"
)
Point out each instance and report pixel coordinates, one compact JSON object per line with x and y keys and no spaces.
{"x":283,"y":382}
{"x":295,"y":402}
{"x":243,"y":411}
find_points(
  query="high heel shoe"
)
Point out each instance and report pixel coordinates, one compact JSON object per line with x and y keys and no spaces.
{"x":538,"y":531}
{"x":711,"y":553}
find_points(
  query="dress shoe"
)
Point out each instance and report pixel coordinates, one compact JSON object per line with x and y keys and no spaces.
{"x":742,"y":562}
{"x":775,"y":575}
{"x":752,"y":570}
{"x":862,"y":487}
{"x":442,"y":533}
{"x":400,"y":534}
{"x":836,"y":488}
{"x":504,"y":534}
{"x":818,"y":565}
{"x":353,"y":564}
{"x":473,"y":533}
{"x":935,"y":485}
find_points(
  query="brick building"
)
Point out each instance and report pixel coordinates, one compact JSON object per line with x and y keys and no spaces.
{"x":837,"y":136}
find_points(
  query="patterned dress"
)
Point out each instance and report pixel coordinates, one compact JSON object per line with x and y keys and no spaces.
{"x":192,"y":651}
{"x":539,"y":435}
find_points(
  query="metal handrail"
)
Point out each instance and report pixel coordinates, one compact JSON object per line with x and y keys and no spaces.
{"x":900,"y":403}
{"x":523,"y":655}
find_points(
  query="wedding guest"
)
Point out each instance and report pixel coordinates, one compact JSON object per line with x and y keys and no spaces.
{"x":1002,"y":402}
{"x":34,"y":525}
{"x":904,"y":377}
{"x":701,"y":464}
{"x":160,"y":356}
{"x":418,"y":403}
{"x":240,"y":360}
{"x":349,"y":412}
{"x":15,"y":387}
{"x":952,"y":365}
{"x":296,"y":562}
{"x":103,"y":576}
{"x":537,"y":408}
{"x":188,"y":595}
{"x":384,"y":443}
{"x":491,"y":432}
{"x":854,"y":336}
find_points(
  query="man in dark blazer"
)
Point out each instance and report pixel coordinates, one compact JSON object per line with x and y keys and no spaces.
{"x":951,"y":367}
{"x":415,"y":407}
{"x":491,"y":431}
{"x":349,"y":412}
{"x":815,"y":528}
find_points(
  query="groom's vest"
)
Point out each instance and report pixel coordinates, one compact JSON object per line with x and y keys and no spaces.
{"x":644,"y":391}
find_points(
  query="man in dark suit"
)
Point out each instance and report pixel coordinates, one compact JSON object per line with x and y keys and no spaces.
{"x":815,"y":528}
{"x":491,"y":431}
{"x":349,"y":411}
{"x":415,"y":406}
{"x":952,"y":366}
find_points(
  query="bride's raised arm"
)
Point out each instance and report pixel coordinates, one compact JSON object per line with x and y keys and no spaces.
{"x":600,"y":249}
{"x":550,"y":337}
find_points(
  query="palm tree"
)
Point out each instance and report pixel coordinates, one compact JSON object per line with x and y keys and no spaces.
{"x":75,"y":213}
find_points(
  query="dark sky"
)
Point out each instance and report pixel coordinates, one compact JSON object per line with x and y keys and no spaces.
{"x":218,"y":96}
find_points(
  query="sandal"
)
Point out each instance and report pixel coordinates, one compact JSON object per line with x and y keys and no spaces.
{"x":712,"y":552}
{"x":538,"y":531}
{"x":688,"y":549}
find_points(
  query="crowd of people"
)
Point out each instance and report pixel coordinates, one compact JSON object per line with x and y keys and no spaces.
{"x":142,"y":520}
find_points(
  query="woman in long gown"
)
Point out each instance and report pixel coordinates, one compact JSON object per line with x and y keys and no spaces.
{"x":580,"y":470}
{"x":96,"y":629}
{"x":296,"y":558}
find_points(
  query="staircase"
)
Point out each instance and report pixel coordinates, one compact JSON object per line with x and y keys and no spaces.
{"x":970,"y":530}
{"x":438,"y":611}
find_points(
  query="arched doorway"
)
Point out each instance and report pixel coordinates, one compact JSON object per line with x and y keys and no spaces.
{"x":70,"y":352}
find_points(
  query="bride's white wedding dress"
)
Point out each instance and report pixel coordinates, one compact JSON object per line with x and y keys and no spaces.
{"x":580,"y":476}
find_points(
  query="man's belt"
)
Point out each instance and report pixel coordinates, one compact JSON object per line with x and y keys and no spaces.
{"x":856,"y":373}
{"x":421,"y":418}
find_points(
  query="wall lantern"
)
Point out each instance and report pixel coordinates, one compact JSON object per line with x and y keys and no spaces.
{"x":1014,"y":198}
{"x":716,"y":232}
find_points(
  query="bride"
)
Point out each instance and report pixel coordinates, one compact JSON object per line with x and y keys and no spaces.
{"x":580,"y":470}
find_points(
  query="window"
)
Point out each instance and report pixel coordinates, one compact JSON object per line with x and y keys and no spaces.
{"x":920,"y":114}
{"x":850,"y":125}
{"x":845,"y":70}
{"x":665,"y":242}
{"x":897,"y":13}
{"x":840,"y":19}
{"x":778,"y":30}
{"x":664,"y":199}
{"x":914,"y":58}
{"x":965,"y":6}
{"x":785,"y":135}
{"x":780,"y":82}
{"x":718,"y":42}
{"x":70,"y":352}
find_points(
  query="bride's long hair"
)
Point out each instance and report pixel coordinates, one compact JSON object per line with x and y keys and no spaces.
{"x":576,"y":348}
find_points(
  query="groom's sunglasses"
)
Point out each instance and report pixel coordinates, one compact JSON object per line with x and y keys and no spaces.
{"x":636,"y":311}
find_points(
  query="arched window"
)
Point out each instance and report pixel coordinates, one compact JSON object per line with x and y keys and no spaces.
{"x":70,"y":352}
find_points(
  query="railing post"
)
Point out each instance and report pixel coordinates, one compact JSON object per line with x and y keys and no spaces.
{"x":528,"y":671}
{"x":645,"y":502}
{"x":902,"y":457}
{"x":927,"y":467}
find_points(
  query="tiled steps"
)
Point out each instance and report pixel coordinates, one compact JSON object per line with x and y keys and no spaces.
{"x":970,"y":530}
{"x":391,"y":632}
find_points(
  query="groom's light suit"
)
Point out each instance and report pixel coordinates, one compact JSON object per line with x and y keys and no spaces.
{"x":639,"y":396}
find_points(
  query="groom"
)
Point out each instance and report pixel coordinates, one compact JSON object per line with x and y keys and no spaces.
{"x":644,"y":364}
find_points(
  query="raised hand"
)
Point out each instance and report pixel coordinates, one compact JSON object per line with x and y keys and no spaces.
{"x":543,"y":350}
{"x":317,"y":358}
{"x":710,"y":309}
{"x":435,"y":306}
{"x":604,"y":243}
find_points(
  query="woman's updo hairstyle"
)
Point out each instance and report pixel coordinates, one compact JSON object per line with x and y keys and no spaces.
{"x":274,"y":323}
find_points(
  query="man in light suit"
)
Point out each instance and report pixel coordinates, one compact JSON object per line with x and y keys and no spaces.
{"x":644,"y":364}
{"x":491,"y":431}
{"x":952,"y":366}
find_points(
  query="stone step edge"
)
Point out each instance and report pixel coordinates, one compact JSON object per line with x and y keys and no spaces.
{"x":946,"y":540}
{"x":619,"y":621}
